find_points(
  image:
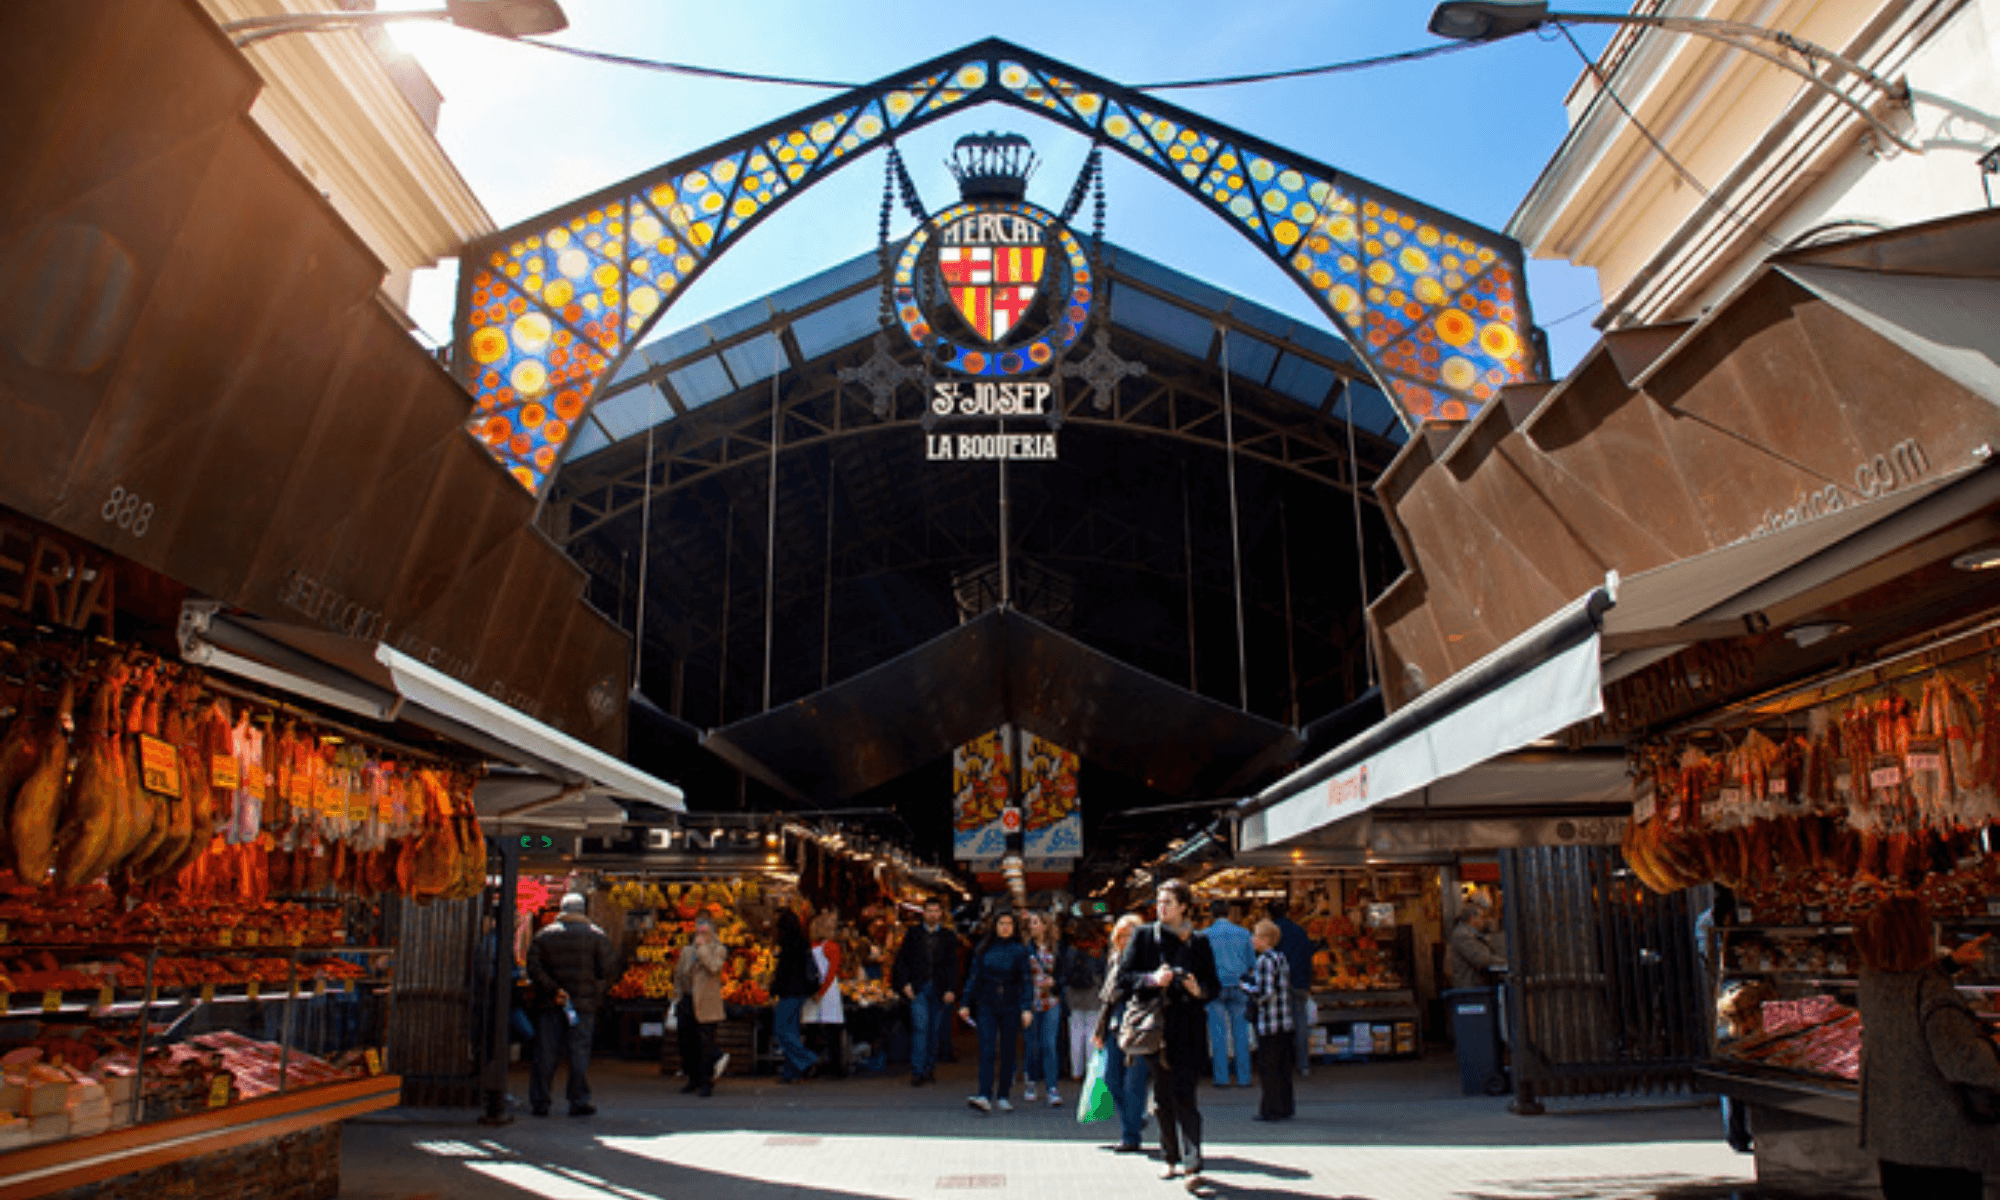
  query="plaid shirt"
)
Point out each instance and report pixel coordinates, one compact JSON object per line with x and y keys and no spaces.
{"x":1042,"y":969}
{"x":1270,"y":986}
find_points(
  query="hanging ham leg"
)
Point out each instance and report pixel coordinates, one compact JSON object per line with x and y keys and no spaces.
{"x":95,"y":803}
{"x":36,"y":805}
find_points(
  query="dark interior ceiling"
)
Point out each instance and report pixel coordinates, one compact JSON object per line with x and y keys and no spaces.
{"x":1123,"y":544}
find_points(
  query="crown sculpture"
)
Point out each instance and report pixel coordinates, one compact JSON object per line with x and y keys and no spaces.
{"x":992,"y":166}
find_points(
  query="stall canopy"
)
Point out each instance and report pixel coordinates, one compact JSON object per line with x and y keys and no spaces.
{"x":558,"y":779}
{"x":1537,"y":685}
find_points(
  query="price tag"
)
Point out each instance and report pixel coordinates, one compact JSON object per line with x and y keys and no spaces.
{"x":1730,"y":795}
{"x":1993,"y":907}
{"x":1813,"y":916}
{"x":1917,"y":761}
{"x":319,"y":987}
{"x":346,"y":986}
{"x":1777,"y":787}
{"x":208,"y":993}
{"x":297,"y":937}
{"x":223,"y":772}
{"x":1885,"y":777}
{"x":249,"y":937}
{"x":6,"y":1001}
{"x":105,"y":998}
{"x":52,"y":1000}
{"x":159,"y":766}
{"x":251,"y":989}
{"x":3,"y":931}
{"x":295,"y":989}
{"x":373,"y":1057}
{"x":225,"y":937}
{"x":218,"y":1091}
{"x":258,"y":781}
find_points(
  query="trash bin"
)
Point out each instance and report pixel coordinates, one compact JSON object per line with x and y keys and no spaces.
{"x":1475,"y":1026}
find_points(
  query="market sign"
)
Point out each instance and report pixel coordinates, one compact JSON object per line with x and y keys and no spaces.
{"x":994,"y":290}
{"x":1048,"y":817}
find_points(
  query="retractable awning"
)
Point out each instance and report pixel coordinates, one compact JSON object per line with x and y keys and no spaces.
{"x":1542,"y":682}
{"x":557,"y":778}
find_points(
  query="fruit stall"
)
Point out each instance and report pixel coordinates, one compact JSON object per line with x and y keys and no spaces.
{"x":197,"y":914}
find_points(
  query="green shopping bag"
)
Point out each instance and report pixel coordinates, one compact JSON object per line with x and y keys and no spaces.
{"x":1095,"y":1102}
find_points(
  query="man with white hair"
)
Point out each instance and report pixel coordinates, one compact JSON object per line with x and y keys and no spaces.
{"x":1469,"y":952}
{"x":570,"y":964}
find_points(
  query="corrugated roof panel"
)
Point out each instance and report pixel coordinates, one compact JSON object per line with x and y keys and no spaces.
{"x":701,"y":381}
{"x":1306,"y":382}
{"x":757,"y":359}
{"x":826,"y":283}
{"x":739,"y":320}
{"x":1189,"y":332}
{"x":838,"y":325}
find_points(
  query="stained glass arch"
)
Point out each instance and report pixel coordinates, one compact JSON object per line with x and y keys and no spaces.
{"x":1435,"y":305}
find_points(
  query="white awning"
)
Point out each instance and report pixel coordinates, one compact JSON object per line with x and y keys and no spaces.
{"x":373,"y":680}
{"x":1537,"y":685}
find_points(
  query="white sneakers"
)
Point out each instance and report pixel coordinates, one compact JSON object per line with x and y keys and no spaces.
{"x":1055,"y":1097}
{"x":721,"y":1066}
{"x":1028,"y":1093}
{"x":981,"y":1103}
{"x":1002,"y":1105}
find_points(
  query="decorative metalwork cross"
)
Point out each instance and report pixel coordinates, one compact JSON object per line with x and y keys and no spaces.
{"x":881,"y":375}
{"x":1102,"y":369}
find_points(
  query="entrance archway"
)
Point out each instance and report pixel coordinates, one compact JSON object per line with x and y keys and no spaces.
{"x":1436,"y":306}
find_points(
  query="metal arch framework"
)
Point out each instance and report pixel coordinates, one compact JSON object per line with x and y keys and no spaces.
{"x":1437,"y":307}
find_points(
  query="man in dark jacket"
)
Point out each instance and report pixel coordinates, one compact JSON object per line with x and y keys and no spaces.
{"x":926,"y":973}
{"x":570,"y":964}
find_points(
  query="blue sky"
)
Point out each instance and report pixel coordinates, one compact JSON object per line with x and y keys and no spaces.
{"x":1466,"y":132}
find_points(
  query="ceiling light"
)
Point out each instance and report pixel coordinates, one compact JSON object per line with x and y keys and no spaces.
{"x":1818,"y":631}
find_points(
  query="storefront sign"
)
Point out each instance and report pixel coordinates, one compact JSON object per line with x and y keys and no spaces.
{"x":47,"y":577}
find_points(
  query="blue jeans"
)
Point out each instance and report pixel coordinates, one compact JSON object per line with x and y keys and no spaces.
{"x":1128,"y":1091}
{"x":791,"y":1044}
{"x":1044,"y":1061}
{"x":997,"y":1037}
{"x":1229,"y":1036}
{"x":554,"y":1034}
{"x":927,"y":1014}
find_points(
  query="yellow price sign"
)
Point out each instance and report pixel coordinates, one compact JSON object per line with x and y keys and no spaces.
{"x":105,"y":997}
{"x":319,"y":987}
{"x":225,"y":937}
{"x":208,"y":993}
{"x":3,"y":931}
{"x":374,"y":1059}
{"x":249,"y":937}
{"x":159,"y":766}
{"x":218,"y":1090}
{"x":51,"y":1000}
{"x":223,"y":772}
{"x":251,"y":989}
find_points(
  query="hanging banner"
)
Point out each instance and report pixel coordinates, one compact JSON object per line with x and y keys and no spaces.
{"x":980,"y":794}
{"x":1049,"y":790}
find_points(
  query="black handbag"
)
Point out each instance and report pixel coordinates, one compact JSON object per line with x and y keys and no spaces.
{"x":1143,"y":1028}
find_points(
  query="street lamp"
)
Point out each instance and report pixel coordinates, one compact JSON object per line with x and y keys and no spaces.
{"x":500,"y":18}
{"x":1492,"y":20}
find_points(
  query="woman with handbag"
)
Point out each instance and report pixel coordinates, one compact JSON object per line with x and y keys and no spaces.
{"x":997,"y":990}
{"x":1929,"y":1074}
{"x":1126,"y":1078}
{"x":1168,"y":972}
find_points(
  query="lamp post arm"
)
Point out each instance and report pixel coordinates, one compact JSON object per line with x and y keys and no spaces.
{"x":1734,"y":33}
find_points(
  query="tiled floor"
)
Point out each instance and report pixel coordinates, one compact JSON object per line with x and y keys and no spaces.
{"x":1380,"y":1131}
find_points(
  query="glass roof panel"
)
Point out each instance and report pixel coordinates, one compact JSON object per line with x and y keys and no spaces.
{"x":1306,"y":382}
{"x":1251,"y":358}
{"x":739,"y":320}
{"x":1186,"y":331}
{"x":756,"y":360}
{"x":838,"y":325}
{"x":849,"y":274}
{"x":627,"y":414}
{"x":1371,"y":411}
{"x":678,"y":344}
{"x":1166,"y":279}
{"x":701,"y":381}
{"x":589,"y":439}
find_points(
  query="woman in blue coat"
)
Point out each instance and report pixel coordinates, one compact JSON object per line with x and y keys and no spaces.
{"x":997,"y":991}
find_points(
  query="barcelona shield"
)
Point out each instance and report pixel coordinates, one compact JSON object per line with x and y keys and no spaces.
{"x":993,"y":284}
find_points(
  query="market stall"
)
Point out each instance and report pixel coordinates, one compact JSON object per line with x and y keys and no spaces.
{"x":1370,"y":928}
{"x":197,"y":913}
{"x":1812,"y":806}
